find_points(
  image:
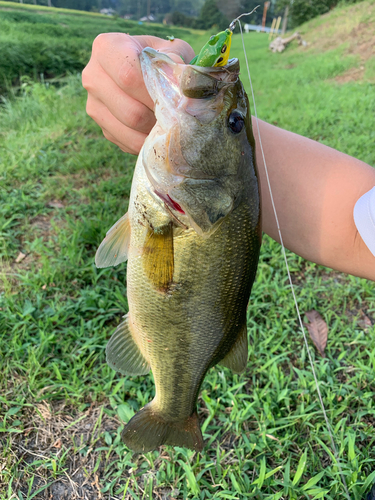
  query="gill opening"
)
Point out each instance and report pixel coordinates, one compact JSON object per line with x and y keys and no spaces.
{"x":330,"y":432}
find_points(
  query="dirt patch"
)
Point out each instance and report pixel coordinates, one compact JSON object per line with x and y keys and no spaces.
{"x":362,"y":40}
{"x":56,"y":432}
{"x":51,"y":433}
{"x":352,"y":75}
{"x":42,"y":223}
{"x":353,"y":28}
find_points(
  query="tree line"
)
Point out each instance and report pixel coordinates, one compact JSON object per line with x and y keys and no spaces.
{"x":201,"y":14}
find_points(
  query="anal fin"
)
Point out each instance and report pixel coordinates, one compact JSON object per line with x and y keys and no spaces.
{"x":114,"y":248}
{"x":123,"y":353}
{"x":236,"y":359}
{"x":158,"y":257}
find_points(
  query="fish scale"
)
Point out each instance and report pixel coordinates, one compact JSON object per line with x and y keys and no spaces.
{"x":193,"y":237}
{"x":175,"y":323}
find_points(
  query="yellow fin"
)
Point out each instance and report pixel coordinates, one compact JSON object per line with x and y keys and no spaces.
{"x":236,"y":359}
{"x":158,"y":259}
{"x":114,"y":248}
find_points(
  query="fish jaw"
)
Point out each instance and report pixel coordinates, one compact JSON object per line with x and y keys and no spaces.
{"x":200,"y":185}
{"x":162,"y":76}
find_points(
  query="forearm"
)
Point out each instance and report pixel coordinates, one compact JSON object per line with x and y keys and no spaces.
{"x":315,"y":189}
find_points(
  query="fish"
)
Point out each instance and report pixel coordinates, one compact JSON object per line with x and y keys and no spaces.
{"x":191,"y":236}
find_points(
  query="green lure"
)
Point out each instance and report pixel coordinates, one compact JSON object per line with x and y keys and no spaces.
{"x":216,"y":51}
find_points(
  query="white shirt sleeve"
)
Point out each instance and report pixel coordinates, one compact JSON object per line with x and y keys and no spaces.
{"x":364,"y":218}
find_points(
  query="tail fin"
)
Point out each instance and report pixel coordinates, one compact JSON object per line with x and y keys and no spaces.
{"x":146,"y":431}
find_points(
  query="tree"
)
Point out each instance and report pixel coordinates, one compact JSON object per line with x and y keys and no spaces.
{"x":256,"y":17}
{"x":230,"y":9}
{"x":180,"y":19}
{"x":301,"y":11}
{"x":210,"y":16}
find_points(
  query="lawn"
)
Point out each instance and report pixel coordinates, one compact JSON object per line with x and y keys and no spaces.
{"x":62,"y":185}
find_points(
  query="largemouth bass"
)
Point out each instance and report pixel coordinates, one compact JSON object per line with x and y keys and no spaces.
{"x":192,"y":236}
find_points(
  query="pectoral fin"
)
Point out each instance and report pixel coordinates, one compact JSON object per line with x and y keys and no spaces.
{"x":123,"y":353}
{"x":158,"y":259}
{"x":236,"y":359}
{"x":114,"y":248}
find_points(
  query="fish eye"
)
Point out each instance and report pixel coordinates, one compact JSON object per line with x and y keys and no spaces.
{"x":223,"y":49}
{"x":236,"y":122}
{"x":219,"y":60}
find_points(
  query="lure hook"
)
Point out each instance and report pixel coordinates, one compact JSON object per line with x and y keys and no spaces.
{"x":234,"y":22}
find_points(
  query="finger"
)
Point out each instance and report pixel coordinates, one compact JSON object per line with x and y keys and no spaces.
{"x":113,"y":139}
{"x":127,"y":110}
{"x":118,"y":55}
{"x":178,"y":50}
{"x":127,"y":139}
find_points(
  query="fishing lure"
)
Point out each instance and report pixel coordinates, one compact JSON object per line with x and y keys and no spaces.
{"x":216,"y":51}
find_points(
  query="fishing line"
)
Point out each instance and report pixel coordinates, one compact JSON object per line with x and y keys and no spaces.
{"x":334,"y":448}
{"x":234,"y":22}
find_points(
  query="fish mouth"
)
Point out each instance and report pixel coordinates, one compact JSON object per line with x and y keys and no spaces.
{"x":176,"y":81}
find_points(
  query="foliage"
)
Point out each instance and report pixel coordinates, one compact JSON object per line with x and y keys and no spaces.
{"x":179,"y":19}
{"x":230,"y":9}
{"x":52,"y":44}
{"x":210,"y":16}
{"x":127,"y":7}
{"x":301,"y":11}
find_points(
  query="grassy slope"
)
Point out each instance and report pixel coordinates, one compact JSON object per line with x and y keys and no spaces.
{"x":62,"y":408}
{"x":55,"y":42}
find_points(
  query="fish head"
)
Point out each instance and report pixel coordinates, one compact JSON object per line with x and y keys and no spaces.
{"x":199,"y":153}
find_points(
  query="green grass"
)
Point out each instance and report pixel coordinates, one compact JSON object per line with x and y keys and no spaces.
{"x":62,"y":408}
{"x":50,"y":43}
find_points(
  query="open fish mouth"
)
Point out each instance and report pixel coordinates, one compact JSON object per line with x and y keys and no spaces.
{"x":181,"y":87}
{"x":181,"y":156}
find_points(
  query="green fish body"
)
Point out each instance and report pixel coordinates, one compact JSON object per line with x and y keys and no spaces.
{"x":192,"y":238}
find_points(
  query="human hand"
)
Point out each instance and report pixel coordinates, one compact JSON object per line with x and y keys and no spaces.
{"x":117,"y":97}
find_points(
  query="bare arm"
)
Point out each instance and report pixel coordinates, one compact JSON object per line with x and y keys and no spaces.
{"x":315,"y":187}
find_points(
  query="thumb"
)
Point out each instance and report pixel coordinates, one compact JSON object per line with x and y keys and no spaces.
{"x":178,"y":50}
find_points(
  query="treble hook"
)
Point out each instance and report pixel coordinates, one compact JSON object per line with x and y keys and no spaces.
{"x":234,"y":22}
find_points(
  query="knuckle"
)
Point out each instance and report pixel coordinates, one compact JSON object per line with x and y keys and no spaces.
{"x":100,"y":42}
{"x":129,"y":75}
{"x":136,"y":118}
{"x":91,"y":109}
{"x":86,"y":78}
{"x":108,"y":135}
